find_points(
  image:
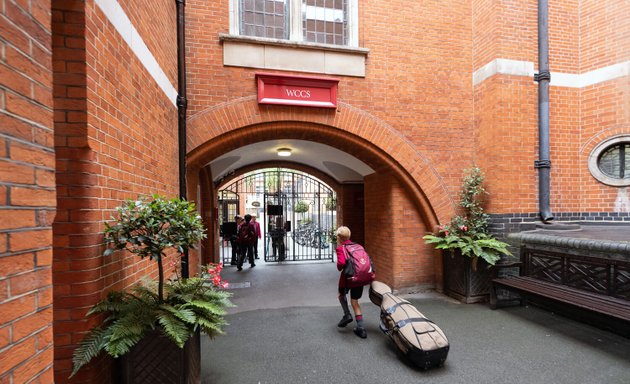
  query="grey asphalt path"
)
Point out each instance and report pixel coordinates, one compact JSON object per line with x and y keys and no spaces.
{"x":283,"y":330}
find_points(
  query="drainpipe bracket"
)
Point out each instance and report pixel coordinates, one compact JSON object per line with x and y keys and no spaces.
{"x":182,"y":102}
{"x":542,"y":164}
{"x":543,"y":75}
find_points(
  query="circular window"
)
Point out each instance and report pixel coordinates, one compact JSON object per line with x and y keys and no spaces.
{"x":610,"y":161}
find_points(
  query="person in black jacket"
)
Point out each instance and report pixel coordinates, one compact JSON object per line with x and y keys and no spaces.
{"x":234,"y":241}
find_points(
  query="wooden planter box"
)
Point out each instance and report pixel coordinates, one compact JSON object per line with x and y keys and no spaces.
{"x":464,"y":284}
{"x":157,"y":360}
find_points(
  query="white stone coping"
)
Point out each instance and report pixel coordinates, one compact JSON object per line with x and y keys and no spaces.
{"x":558,"y":79}
{"x":116,"y":15}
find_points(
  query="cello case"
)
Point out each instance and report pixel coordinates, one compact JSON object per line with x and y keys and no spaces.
{"x":416,"y":337}
{"x":377,"y":290}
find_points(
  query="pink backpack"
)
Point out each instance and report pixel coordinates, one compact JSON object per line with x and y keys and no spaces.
{"x":359,"y":270}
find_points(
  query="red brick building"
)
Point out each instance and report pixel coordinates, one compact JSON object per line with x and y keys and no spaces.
{"x":89,"y":117}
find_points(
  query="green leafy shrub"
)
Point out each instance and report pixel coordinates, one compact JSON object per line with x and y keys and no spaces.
{"x":468,"y":232}
{"x":179,"y":306}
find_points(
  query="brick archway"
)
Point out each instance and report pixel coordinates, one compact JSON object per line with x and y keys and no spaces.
{"x":243,"y":121}
{"x":414,"y":193}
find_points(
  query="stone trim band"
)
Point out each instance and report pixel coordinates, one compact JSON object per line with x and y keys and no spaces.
{"x":116,"y":15}
{"x":558,"y":79}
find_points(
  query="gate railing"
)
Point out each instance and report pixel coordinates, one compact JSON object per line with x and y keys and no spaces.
{"x":299,"y":231}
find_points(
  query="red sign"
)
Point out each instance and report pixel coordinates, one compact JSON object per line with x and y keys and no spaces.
{"x":297,"y":90}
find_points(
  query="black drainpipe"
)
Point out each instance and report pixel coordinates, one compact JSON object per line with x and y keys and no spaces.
{"x":543,"y":77}
{"x":182,"y":103}
{"x":192,"y":354}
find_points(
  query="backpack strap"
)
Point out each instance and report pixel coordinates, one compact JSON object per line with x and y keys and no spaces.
{"x":347,"y":251}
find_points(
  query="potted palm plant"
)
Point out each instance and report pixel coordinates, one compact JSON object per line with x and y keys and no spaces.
{"x":469,"y":247}
{"x":157,"y":319}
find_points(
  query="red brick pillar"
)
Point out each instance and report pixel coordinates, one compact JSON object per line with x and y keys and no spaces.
{"x":27,"y":193}
{"x":77,"y":258}
{"x":394,"y":227}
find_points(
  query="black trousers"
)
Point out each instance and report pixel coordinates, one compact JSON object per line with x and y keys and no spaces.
{"x":235,"y":252}
{"x":246,"y":250}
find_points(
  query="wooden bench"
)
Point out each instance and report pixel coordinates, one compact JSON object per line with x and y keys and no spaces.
{"x":590,"y":289}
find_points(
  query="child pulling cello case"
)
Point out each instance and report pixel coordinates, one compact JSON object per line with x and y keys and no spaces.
{"x":417,"y":338}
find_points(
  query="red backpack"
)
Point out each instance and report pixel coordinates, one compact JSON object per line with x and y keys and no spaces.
{"x":246,"y":234}
{"x":359,"y":270}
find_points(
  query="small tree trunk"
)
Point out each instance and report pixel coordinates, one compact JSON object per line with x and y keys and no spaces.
{"x":160,"y":279}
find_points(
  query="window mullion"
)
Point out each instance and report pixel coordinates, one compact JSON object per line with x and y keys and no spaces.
{"x":622,"y":161}
{"x":235,"y":18}
{"x":353,"y":23}
{"x":295,"y":20}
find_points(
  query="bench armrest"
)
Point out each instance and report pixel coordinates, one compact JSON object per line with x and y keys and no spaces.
{"x":494,"y":301}
{"x":505,"y":264}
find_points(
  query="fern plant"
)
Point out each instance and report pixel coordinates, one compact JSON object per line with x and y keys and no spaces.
{"x":179,"y":306}
{"x":468,"y":232}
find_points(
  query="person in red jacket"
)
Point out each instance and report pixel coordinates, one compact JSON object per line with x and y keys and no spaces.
{"x":246,"y":240}
{"x":343,"y":237}
{"x":256,"y":226}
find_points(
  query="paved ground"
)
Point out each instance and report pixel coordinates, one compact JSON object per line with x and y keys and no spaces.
{"x":283,"y":330}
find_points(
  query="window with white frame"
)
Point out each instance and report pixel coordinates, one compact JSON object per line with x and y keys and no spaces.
{"x":615,"y":161}
{"x":609,"y":162}
{"x":317,"y":21}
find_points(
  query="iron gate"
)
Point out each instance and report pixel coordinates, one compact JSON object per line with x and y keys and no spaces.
{"x":296,"y":213}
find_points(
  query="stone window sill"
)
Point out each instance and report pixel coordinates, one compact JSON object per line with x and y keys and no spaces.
{"x":256,"y":52}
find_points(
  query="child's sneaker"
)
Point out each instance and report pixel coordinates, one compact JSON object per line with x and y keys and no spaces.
{"x":345,"y":320}
{"x":361,"y":332}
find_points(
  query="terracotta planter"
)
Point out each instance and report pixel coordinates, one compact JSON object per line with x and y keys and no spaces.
{"x":157,"y":360}
{"x":462,"y":282}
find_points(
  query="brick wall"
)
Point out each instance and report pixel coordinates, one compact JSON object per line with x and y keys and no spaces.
{"x":505,"y":108}
{"x":604,"y":110}
{"x":392,"y":229}
{"x":157,"y":25}
{"x":115,"y":138}
{"x":380,"y":228}
{"x":583,"y":36}
{"x":413,"y":90}
{"x":27,"y":193}
{"x":603,"y":33}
